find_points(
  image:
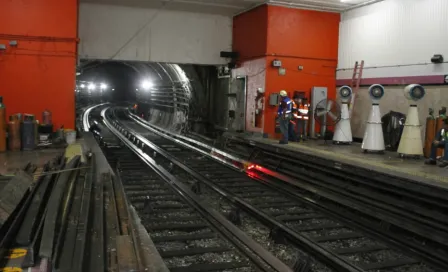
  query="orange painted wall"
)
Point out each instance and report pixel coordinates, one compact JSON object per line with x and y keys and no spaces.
{"x":315,"y":73}
{"x":304,"y":34}
{"x":39,"y":73}
{"x":250,"y":33}
{"x":300,"y":38}
{"x":297,"y":38}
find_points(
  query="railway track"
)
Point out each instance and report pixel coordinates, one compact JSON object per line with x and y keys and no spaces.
{"x":413,"y":215}
{"x":188,"y":235}
{"x":291,"y":216}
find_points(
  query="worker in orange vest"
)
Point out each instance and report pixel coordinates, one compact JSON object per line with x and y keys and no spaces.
{"x":304,"y":111}
{"x":298,"y":117}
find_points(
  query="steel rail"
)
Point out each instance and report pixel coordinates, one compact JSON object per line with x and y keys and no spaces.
{"x":435,"y":259}
{"x":374,"y":230}
{"x":324,"y":255}
{"x":423,"y":230}
{"x":85,"y":116}
{"x":207,"y":212}
{"x":182,"y":140}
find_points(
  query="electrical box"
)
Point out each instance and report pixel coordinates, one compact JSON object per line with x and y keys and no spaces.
{"x":317,"y":94}
{"x":281,"y":71}
{"x":273,"y":99}
{"x":277,"y":63}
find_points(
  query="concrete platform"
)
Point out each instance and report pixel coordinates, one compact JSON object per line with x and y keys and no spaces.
{"x":10,"y":162}
{"x":388,"y":163}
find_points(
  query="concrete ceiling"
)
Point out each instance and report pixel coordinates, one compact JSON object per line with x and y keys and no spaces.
{"x":233,"y":7}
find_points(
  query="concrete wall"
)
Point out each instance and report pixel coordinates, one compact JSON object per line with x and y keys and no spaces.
{"x":395,"y":38}
{"x":255,"y":71}
{"x":105,"y":32}
{"x":436,"y":97}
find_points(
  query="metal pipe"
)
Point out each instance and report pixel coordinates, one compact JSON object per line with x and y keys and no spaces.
{"x":363,"y":4}
{"x":306,"y":6}
{"x":250,"y":8}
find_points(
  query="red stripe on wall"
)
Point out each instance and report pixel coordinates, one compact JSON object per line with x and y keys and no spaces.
{"x":424,"y":80}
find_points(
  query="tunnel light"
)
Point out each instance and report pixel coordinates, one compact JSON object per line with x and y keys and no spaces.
{"x":146,"y":85}
{"x":82,"y":86}
{"x":91,"y":86}
{"x":103,"y":86}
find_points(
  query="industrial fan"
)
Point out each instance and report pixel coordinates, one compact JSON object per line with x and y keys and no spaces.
{"x":327,"y":113}
{"x":411,"y":138}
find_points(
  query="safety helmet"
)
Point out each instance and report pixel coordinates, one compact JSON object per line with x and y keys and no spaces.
{"x":283,"y":93}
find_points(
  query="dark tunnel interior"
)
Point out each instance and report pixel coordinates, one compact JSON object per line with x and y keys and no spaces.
{"x":178,"y":97}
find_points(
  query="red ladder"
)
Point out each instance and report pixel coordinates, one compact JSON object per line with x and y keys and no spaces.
{"x":356,"y":80}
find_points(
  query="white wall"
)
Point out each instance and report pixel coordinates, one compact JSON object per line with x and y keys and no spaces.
{"x":172,"y":36}
{"x":395,"y":38}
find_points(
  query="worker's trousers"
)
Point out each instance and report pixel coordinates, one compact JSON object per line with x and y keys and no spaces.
{"x":284,"y":127}
{"x":434,"y":147}
{"x":300,"y":128}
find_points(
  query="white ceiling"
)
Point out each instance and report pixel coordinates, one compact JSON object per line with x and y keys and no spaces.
{"x":233,"y":7}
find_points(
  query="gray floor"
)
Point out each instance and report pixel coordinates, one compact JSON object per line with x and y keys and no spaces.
{"x":10,"y":162}
{"x":389,"y":162}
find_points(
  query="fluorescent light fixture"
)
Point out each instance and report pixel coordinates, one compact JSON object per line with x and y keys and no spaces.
{"x":82,"y":86}
{"x":146,"y":85}
{"x":91,"y":86}
{"x":103,"y":86}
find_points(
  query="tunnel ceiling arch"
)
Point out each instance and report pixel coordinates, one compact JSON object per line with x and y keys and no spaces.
{"x":159,"y":73}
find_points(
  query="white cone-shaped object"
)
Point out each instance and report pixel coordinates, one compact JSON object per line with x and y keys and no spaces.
{"x":373,"y":136}
{"x":411,"y":139}
{"x":343,"y":130}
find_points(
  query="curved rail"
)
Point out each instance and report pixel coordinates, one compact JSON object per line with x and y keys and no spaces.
{"x":137,"y":144}
{"x":85,"y":116}
{"x":391,"y":213}
{"x":164,"y":135}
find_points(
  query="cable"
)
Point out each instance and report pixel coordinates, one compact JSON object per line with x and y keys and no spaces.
{"x":311,"y":74}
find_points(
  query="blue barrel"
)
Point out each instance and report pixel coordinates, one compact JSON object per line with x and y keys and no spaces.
{"x":28,"y":132}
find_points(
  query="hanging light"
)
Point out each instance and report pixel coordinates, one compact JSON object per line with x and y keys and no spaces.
{"x":146,"y":85}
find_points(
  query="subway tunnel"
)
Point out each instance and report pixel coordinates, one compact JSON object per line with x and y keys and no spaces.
{"x":178,"y":97}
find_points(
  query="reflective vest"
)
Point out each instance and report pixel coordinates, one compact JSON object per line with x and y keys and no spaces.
{"x":295,"y":111}
{"x":287,"y":103}
{"x":444,"y":135}
{"x":303,"y":109}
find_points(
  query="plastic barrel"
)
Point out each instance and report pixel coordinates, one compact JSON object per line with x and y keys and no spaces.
{"x":28,"y":130}
{"x":429,"y":136}
{"x":14,"y":143}
{"x":46,"y":117}
{"x":439,"y":125}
